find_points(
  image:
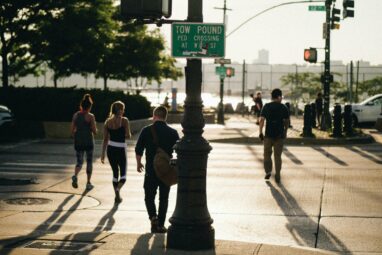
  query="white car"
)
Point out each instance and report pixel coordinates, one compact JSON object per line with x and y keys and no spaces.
{"x":6,"y":116}
{"x":368,"y":110}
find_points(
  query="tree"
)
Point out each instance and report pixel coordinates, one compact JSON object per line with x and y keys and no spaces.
{"x":18,"y":23}
{"x":76,"y":39}
{"x":301,"y":83}
{"x":371,"y":87}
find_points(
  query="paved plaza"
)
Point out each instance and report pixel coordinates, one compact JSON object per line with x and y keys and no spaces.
{"x":329,"y":198}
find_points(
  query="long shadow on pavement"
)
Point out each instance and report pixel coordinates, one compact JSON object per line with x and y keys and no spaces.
{"x":331,"y":156}
{"x":292,"y":157}
{"x":47,"y":227}
{"x":298,"y":229}
{"x":105,"y":224}
{"x":366,"y":153}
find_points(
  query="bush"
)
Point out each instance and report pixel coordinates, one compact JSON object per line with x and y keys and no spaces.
{"x":59,"y":104}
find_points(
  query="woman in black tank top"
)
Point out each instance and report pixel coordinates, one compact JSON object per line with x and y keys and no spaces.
{"x":116,"y":130}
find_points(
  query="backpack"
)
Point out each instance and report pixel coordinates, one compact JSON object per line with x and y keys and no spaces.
{"x":164,"y":170}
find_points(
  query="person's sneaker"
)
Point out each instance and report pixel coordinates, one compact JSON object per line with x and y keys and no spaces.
{"x":118,"y":198}
{"x":89,"y":186}
{"x":267,"y":176}
{"x":74,"y":182}
{"x":161,"y":229}
{"x":277,"y":178}
{"x":154,"y":224}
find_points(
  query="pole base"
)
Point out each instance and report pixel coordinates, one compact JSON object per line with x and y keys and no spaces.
{"x":191,"y":238}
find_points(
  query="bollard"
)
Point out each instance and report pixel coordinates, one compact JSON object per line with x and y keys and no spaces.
{"x":314,"y":114}
{"x":307,"y":130}
{"x":337,"y":121}
{"x":287,"y":104}
{"x":348,"y":120}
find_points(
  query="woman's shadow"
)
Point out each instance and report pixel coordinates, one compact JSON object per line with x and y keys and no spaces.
{"x":300,"y":229}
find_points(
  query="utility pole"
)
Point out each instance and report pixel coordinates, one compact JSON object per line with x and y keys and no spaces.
{"x":221,"y":104}
{"x":191,"y":223}
{"x":356,"y":83}
{"x":327,"y":78}
{"x":351,"y":82}
{"x":243,"y":87}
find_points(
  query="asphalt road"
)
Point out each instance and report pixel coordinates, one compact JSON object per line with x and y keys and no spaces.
{"x":330,"y":197}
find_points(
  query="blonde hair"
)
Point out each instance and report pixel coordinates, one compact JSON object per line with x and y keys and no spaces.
{"x":116,"y":107}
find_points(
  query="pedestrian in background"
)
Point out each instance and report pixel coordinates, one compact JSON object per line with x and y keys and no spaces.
{"x":258,"y":106}
{"x":166,"y":139}
{"x":83,"y":129}
{"x":276,"y":116}
{"x":319,"y":108}
{"x":115,"y":132}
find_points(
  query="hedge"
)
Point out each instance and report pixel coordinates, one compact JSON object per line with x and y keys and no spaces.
{"x":59,"y":104}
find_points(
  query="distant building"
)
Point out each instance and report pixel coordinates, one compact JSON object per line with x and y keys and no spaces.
{"x":263,"y":57}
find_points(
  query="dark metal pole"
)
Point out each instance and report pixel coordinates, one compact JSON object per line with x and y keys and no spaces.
{"x":221,"y":105}
{"x":351,"y":82}
{"x":243,"y":87}
{"x":191,"y":221}
{"x":356,"y":83}
{"x":326,"y":122}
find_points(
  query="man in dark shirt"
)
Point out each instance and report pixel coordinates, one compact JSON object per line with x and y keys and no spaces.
{"x":167,"y":138}
{"x":276,"y":116}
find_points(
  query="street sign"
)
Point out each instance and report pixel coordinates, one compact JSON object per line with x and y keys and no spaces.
{"x":197,"y":40}
{"x":222,"y":61}
{"x":220,"y":70}
{"x":317,"y":8}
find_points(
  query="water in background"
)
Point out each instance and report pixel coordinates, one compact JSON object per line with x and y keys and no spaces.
{"x":209,"y":100}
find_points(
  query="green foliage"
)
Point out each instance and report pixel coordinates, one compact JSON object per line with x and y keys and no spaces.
{"x":371,"y":87}
{"x":18,"y":22}
{"x":79,"y":37}
{"x":50,"y":104}
{"x":311,"y":83}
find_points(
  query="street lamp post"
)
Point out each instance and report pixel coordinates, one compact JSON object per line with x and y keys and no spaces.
{"x":191,"y":223}
{"x":326,"y":122}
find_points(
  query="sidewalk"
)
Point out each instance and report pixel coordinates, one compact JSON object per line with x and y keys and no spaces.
{"x":116,"y":243}
{"x":243,"y":130}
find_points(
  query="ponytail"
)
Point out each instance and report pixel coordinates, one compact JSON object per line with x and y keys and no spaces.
{"x":86,"y":102}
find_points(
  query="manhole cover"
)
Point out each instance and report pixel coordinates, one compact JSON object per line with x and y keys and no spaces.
{"x":56,"y":245}
{"x":28,"y":201}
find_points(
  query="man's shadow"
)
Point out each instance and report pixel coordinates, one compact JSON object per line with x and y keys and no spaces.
{"x":300,"y":229}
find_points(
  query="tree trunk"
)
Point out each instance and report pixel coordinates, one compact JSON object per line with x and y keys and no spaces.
{"x":5,"y":71}
{"x":105,"y":82}
{"x":55,"y":78}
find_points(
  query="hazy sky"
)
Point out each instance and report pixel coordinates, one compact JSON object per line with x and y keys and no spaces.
{"x":287,"y":30}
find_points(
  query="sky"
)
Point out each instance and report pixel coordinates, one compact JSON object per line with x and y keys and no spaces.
{"x":286,"y":31}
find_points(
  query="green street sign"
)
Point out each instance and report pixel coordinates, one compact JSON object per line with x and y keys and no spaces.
{"x":197,"y":40}
{"x":319,"y":8}
{"x":220,"y":70}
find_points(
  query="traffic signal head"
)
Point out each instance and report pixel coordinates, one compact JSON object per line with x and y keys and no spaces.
{"x":347,"y":12}
{"x":310,"y":55}
{"x":335,"y":18}
{"x":146,"y":9}
{"x":229,"y":72}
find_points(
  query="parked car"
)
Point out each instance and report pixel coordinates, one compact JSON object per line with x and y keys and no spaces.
{"x":6,"y":117}
{"x":369,"y":110}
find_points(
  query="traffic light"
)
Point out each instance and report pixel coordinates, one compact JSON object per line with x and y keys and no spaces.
{"x":229,"y":72}
{"x":310,"y":55}
{"x":146,"y":9}
{"x":335,"y":18}
{"x":348,"y":13}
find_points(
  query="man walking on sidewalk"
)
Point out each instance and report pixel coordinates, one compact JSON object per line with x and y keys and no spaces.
{"x":167,"y":138}
{"x":277,"y":120}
